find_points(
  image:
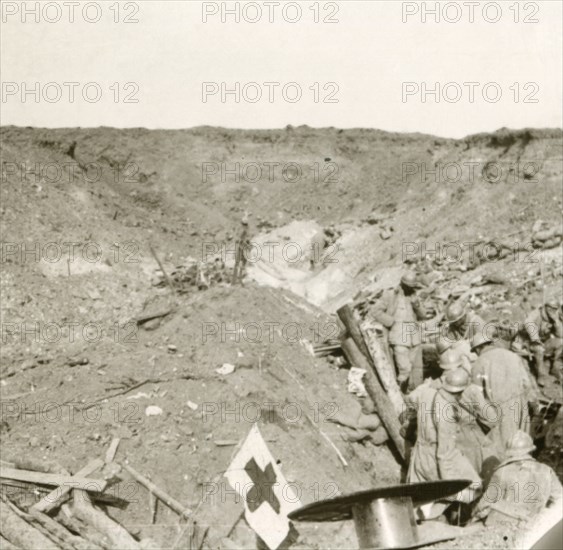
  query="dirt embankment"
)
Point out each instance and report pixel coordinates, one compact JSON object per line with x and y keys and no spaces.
{"x":113,"y":193}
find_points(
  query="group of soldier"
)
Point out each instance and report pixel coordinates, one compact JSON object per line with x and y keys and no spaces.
{"x":468,"y":417}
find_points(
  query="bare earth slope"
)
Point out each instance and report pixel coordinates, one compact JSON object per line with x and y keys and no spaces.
{"x":116,"y":192}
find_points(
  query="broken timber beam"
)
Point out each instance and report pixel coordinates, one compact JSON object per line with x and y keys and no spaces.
{"x":57,"y":496}
{"x":383,"y":405}
{"x":358,"y":353}
{"x":116,"y":534}
{"x":59,"y":533}
{"x":20,"y":533}
{"x":75,"y":482}
{"x":346,"y":315}
{"x":383,"y":367}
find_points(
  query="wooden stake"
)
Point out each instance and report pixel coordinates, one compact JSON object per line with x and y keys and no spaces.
{"x":166,"y":278}
{"x":112,"y":450}
{"x":167,"y":499}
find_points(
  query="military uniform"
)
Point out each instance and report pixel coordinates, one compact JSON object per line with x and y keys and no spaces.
{"x":471,"y":438}
{"x":507,"y":387}
{"x":546,"y":337}
{"x":519,"y":490}
{"x":466,"y":330}
{"x":405,"y":339}
{"x":423,"y":463}
{"x":452,"y":462}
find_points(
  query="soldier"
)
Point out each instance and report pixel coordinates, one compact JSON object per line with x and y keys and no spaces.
{"x":506,"y":384}
{"x":242,"y":248}
{"x":401,"y":314}
{"x":462,"y":324}
{"x":475,"y":419}
{"x":520,"y":487}
{"x":423,"y":464}
{"x":447,"y":414}
{"x":462,"y":348}
{"x":544,"y":330}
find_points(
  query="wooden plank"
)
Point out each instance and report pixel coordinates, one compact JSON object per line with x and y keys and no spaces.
{"x":75,"y":482}
{"x":112,"y":449}
{"x":57,"y":497}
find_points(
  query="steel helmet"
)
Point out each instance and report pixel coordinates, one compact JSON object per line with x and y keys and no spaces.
{"x":411,"y":280}
{"x":479,"y":338}
{"x":520,"y":444}
{"x":456,"y":380}
{"x":455,"y":312}
{"x":450,"y":360}
{"x":443,"y":344}
{"x":552,"y":303}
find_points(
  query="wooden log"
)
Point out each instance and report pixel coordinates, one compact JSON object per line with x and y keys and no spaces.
{"x":346,"y":315}
{"x":35,"y":465}
{"x":58,"y":531}
{"x":384,"y":368}
{"x":48,"y":527}
{"x":172,"y":503}
{"x":7,"y":545}
{"x":57,"y":497}
{"x":75,"y":482}
{"x":382,"y":403}
{"x":17,"y":530}
{"x":115,"y":533}
{"x":35,"y":489}
{"x":72,"y":523}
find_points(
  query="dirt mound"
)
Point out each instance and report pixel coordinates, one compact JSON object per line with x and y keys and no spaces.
{"x":78,"y":370}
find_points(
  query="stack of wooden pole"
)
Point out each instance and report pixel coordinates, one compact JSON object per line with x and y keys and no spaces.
{"x":379,"y":380}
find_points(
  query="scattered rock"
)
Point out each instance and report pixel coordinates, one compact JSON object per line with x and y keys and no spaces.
{"x":153,"y":410}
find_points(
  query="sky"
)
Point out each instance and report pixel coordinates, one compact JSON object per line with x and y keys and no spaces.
{"x":375,"y":64}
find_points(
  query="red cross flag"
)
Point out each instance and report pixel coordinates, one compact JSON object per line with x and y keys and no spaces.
{"x":268,"y":498}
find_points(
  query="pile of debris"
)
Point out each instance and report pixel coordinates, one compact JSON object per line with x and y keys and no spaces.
{"x":196,"y":275}
{"x":45,"y":507}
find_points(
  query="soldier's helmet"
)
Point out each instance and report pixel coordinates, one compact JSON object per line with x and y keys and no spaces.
{"x":520,"y":444}
{"x":456,"y":380}
{"x":450,"y":360}
{"x":411,"y":280}
{"x":443,"y":344}
{"x":552,"y":303}
{"x":455,"y":312}
{"x":479,"y":338}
